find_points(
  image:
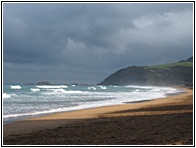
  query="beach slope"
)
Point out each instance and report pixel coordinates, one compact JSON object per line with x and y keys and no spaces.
{"x":164,"y":121}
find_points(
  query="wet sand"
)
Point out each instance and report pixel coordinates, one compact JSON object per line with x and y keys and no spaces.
{"x":164,"y":121}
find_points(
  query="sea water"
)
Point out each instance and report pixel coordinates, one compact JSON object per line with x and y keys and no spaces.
{"x":25,"y":101}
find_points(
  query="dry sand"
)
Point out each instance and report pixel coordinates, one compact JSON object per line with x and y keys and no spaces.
{"x":164,"y":121}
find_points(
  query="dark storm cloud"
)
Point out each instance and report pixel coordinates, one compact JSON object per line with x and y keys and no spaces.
{"x":87,"y":41}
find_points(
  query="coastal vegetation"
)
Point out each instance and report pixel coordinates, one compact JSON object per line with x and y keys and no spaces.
{"x":167,"y":66}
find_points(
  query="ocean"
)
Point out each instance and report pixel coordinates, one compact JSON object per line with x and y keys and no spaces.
{"x":27,"y":101}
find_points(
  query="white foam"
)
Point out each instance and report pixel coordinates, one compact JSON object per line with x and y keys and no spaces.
{"x":61,"y":90}
{"x":103,"y":87}
{"x":91,"y":88}
{"x":173,"y":91}
{"x":15,"y":87}
{"x":74,"y":91}
{"x":51,"y":86}
{"x":67,"y":91}
{"x":80,"y":99}
{"x":84,"y":106}
{"x":34,"y":89}
{"x":6,"y":96}
{"x":41,"y":112}
{"x":28,"y":114}
{"x":143,"y":87}
{"x":156,"y":90}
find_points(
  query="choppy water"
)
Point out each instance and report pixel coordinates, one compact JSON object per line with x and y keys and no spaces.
{"x":24,"y":101}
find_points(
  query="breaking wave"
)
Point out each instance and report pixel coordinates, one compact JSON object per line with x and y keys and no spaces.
{"x":6,"y":96}
{"x":91,"y":88}
{"x":34,"y":89}
{"x":103,"y":87}
{"x":15,"y":87}
{"x":42,"y":99}
{"x":51,"y":86}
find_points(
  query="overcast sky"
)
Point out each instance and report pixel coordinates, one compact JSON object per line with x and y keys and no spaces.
{"x":86,"y":42}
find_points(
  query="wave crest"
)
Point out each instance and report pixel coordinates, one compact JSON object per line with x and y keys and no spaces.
{"x":103,"y":87}
{"x":51,"y":86}
{"x":91,"y":88}
{"x":15,"y":87}
{"x":34,"y":89}
{"x":6,"y":96}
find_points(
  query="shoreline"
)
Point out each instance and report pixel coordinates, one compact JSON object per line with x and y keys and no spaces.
{"x":26,"y":117}
{"x":111,"y":108}
{"x":56,"y":120}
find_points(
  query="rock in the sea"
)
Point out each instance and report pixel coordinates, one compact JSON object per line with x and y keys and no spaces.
{"x":43,"y":83}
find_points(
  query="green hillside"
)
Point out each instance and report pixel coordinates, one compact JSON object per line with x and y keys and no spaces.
{"x":179,"y":73}
{"x":165,"y":66}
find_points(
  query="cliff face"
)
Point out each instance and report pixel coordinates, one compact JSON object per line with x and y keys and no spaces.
{"x":180,"y":73}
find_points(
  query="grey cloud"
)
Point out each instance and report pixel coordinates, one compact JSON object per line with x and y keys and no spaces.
{"x":93,"y":39}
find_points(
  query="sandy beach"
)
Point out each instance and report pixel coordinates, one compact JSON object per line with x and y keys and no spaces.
{"x":164,"y":121}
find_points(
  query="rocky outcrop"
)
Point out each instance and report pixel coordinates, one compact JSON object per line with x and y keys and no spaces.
{"x":180,"y":73}
{"x":43,"y":83}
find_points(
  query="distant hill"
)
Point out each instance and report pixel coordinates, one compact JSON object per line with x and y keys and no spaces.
{"x":179,"y":73}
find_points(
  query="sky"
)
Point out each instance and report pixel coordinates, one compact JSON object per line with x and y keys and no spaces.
{"x":86,"y":42}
